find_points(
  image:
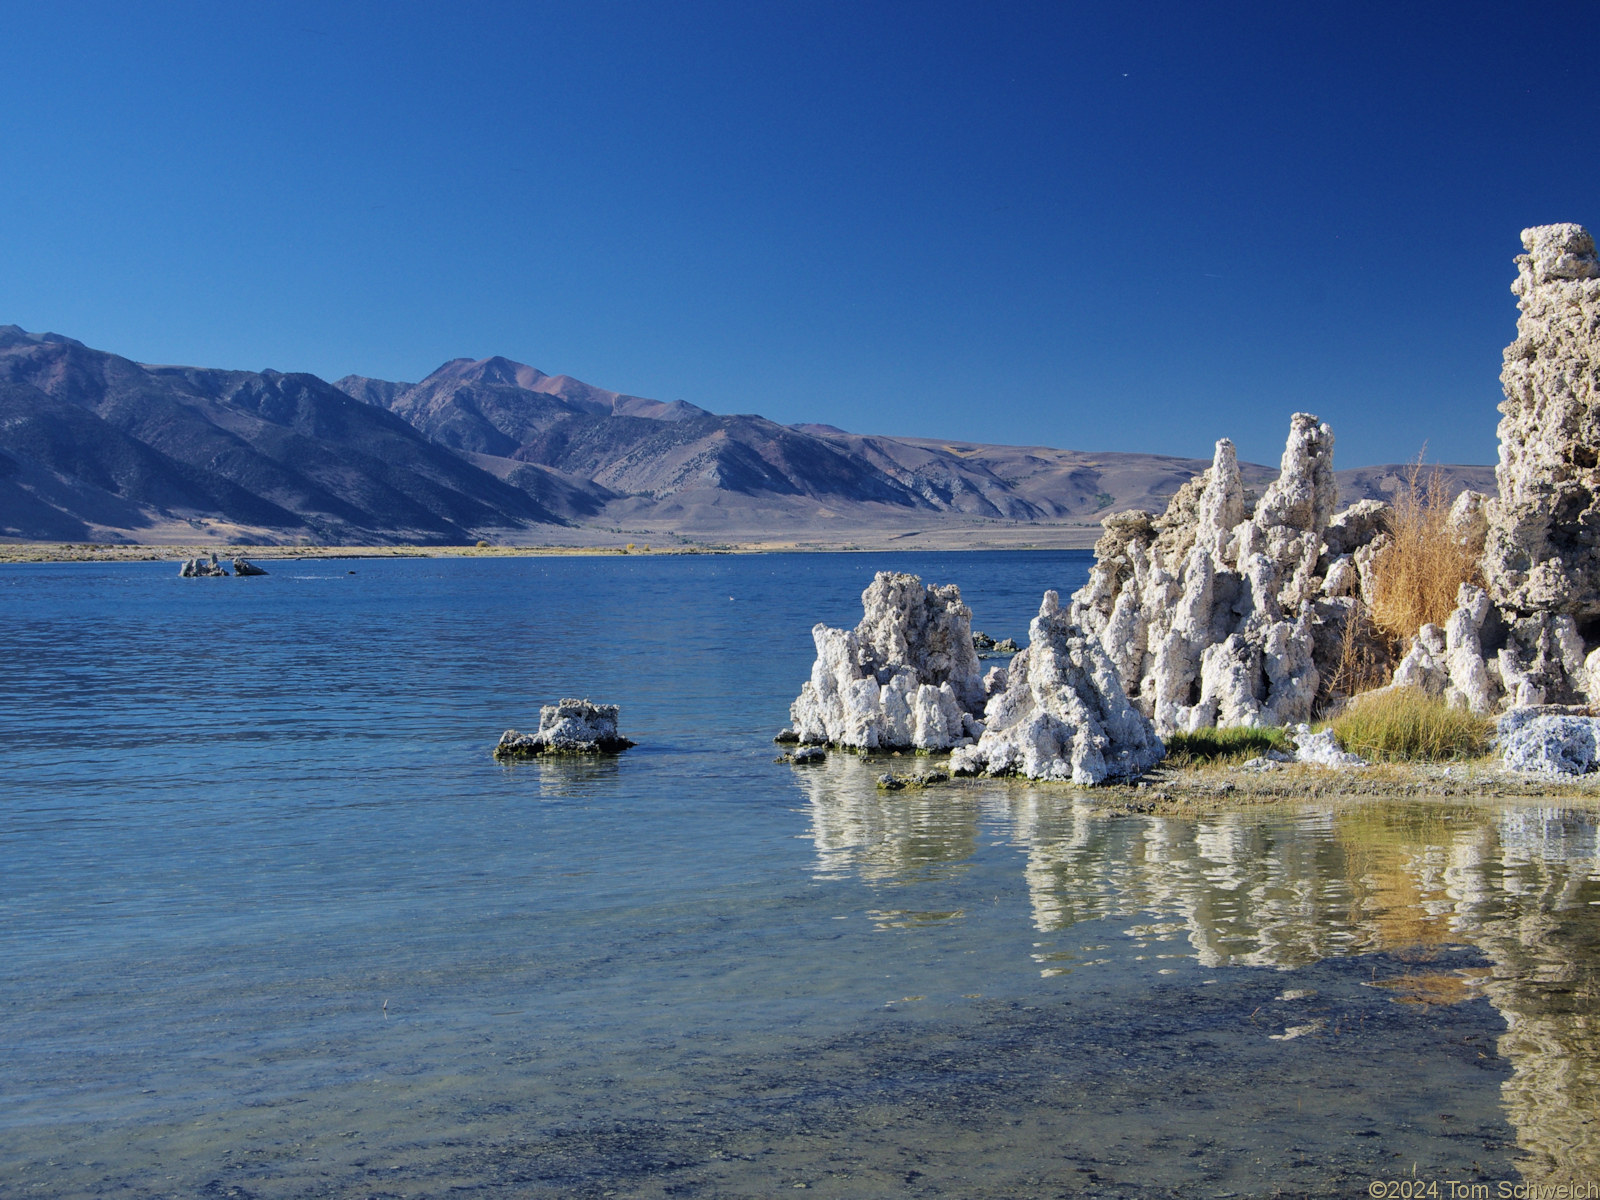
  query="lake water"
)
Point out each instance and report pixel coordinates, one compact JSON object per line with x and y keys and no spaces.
{"x":273,"y":923}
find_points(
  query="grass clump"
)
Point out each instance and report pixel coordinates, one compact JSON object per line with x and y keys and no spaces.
{"x":1408,"y":725}
{"x":1416,"y":576}
{"x":1221,"y":745}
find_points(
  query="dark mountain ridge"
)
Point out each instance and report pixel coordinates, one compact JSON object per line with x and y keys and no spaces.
{"x":262,"y":452}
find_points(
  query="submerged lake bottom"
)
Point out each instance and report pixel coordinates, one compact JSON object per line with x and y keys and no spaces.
{"x":287,"y":930}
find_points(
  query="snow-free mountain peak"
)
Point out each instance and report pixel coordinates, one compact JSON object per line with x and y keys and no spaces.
{"x":98,"y":447}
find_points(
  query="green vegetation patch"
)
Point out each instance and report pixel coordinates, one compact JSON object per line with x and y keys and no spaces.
{"x":1408,"y":725}
{"x":1222,"y":745}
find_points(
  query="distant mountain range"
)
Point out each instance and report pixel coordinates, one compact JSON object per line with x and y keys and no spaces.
{"x":95,"y":447}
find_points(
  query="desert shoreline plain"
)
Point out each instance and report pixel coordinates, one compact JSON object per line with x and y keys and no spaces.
{"x":1231,"y":609}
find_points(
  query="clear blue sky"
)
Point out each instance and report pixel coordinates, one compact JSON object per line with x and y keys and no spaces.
{"x":1129,"y":226}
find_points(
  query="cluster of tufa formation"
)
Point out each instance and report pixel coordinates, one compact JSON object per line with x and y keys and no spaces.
{"x":210,"y":568}
{"x":570,"y":727}
{"x":201,"y":568}
{"x":1542,"y":554}
{"x":1529,"y":636}
{"x":905,"y":678}
{"x":1061,"y":713}
{"x":1223,"y":612}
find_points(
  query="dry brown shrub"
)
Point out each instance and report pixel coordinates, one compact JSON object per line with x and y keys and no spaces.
{"x":1416,"y":576}
{"x":1366,"y":657}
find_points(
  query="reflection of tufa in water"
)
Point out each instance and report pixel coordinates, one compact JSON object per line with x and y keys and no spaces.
{"x":890,"y":837}
{"x":1277,"y":891}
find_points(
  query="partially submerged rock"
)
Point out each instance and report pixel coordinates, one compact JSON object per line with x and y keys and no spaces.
{"x":244,"y":567}
{"x":570,"y":727}
{"x":201,"y":568}
{"x":890,"y":782}
{"x":1063,"y":714}
{"x":906,"y":677}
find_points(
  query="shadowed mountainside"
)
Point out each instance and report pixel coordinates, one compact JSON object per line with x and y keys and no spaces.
{"x":97,"y":447}
{"x":91,"y":440}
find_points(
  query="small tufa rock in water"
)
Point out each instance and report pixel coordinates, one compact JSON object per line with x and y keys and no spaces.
{"x":1006,"y":646}
{"x":786,"y":737}
{"x":243,"y":567}
{"x":570,"y":727}
{"x":200,"y":568}
{"x":803,"y":756}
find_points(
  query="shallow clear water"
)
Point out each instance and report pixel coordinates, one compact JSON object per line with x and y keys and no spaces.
{"x":273,"y":922}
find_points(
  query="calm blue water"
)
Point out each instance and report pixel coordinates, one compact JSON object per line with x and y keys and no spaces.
{"x":274,"y":923}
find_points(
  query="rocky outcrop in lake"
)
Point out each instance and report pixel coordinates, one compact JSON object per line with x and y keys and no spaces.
{"x":570,"y":727}
{"x":906,"y":677}
{"x":202,"y":568}
{"x":1223,"y":611}
{"x":1227,"y":613}
{"x":1063,"y":713}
